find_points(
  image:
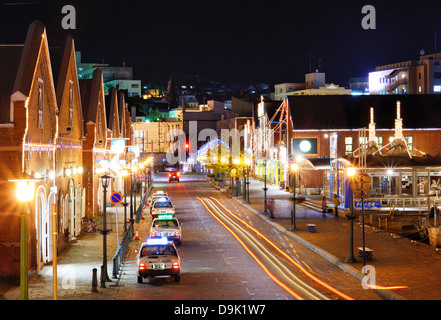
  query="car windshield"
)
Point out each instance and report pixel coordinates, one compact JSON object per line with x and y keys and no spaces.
{"x":163,"y":204}
{"x":158,"y":250}
{"x":165,"y":223}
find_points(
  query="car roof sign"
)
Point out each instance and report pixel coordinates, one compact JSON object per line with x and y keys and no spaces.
{"x":157,"y":241}
{"x":165,"y":217}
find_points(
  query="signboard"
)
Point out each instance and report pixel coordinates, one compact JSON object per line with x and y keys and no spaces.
{"x":333,"y":145}
{"x":117,"y":145}
{"x":304,"y":145}
{"x":116,"y":197}
{"x":368,"y":205}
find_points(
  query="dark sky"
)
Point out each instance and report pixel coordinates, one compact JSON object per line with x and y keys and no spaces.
{"x":238,"y":41}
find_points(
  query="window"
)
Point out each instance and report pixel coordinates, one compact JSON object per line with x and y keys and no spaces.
{"x":437,"y":88}
{"x":437,"y":75}
{"x":419,"y":89}
{"x":99,"y":118}
{"x":70,"y":121}
{"x":348,"y":145}
{"x":40,"y":123}
{"x":409,"y":140}
{"x":135,"y":85}
{"x":379,"y":141}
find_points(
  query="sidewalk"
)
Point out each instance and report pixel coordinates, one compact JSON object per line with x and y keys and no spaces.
{"x":397,"y":261}
{"x":76,"y":263}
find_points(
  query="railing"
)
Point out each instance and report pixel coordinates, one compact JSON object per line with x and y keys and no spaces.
{"x":121,"y":252}
{"x":395,"y":203}
{"x":143,"y":201}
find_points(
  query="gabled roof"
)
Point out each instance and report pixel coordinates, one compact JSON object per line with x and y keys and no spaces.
{"x":9,"y":61}
{"x":29,"y":58}
{"x":90,"y":95}
{"x":112,"y":108}
{"x":17,"y":65}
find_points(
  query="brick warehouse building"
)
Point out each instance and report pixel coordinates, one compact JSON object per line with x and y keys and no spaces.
{"x":95,"y":143}
{"x":318,"y":118}
{"x":54,"y":128}
{"x":68,"y":157}
{"x":28,"y":134}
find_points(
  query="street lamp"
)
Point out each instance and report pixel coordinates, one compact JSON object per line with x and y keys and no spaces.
{"x":248,"y":163}
{"x":265,"y":211}
{"x":124,"y":174}
{"x":25,"y":192}
{"x":351,"y":172}
{"x":294,"y":169}
{"x":105,"y":180}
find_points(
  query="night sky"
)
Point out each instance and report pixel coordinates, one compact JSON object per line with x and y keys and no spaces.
{"x":236,"y":41}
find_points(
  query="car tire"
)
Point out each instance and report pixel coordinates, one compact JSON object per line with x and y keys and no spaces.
{"x":177,"y":278}
{"x":139,"y":279}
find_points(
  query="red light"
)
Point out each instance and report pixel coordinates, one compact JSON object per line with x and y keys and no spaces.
{"x":179,"y":174}
{"x":153,"y":234}
{"x":186,"y":146}
{"x":175,"y":265}
{"x":169,"y":174}
{"x":177,"y":233}
{"x":142,"y":266}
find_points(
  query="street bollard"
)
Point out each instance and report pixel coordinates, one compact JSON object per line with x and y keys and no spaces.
{"x":94,"y":280}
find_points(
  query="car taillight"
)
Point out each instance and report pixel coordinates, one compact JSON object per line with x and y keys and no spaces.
{"x":169,"y":174}
{"x":179,"y":174}
{"x":177,"y":234}
{"x":142,"y":266}
{"x":153,"y":234}
{"x":175,"y":265}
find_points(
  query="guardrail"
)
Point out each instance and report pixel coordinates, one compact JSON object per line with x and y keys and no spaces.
{"x":122,"y":250}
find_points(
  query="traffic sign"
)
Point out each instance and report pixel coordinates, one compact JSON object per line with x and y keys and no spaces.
{"x":116,"y":197}
{"x":143,"y":177}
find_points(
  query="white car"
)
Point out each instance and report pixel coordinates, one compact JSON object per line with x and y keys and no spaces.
{"x":166,"y":225}
{"x":157,"y":195}
{"x":162,"y":207}
{"x":158,"y":198}
{"x":158,"y":257}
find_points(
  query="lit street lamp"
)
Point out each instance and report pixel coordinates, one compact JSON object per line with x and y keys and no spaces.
{"x":294,"y":169}
{"x":105,"y":180}
{"x":25,"y":193}
{"x":124,"y":174}
{"x":351,"y":259}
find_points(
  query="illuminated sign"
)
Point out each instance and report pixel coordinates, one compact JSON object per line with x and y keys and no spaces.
{"x":304,"y":146}
{"x":157,"y":241}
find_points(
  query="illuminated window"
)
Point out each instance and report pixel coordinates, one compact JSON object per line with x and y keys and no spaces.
{"x":70,"y":121}
{"x":348,"y":145}
{"x":40,"y":108}
{"x":437,"y":88}
{"x":409,"y":140}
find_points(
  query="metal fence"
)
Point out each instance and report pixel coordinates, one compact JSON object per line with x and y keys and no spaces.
{"x":121,"y":252}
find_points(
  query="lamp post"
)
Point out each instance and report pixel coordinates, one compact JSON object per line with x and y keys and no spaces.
{"x":265,"y":211}
{"x":105,"y":180}
{"x":294,"y":169}
{"x":135,"y":170}
{"x":124,"y":174}
{"x":25,"y":192}
{"x":351,"y":259}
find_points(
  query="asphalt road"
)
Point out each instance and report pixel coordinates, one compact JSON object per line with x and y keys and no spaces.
{"x":227,"y":253}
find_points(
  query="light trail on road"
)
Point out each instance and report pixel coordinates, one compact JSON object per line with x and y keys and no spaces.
{"x":285,"y":273}
{"x":307,"y":273}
